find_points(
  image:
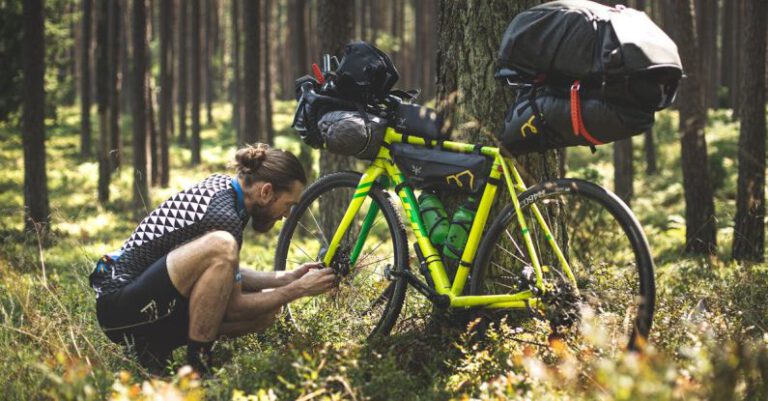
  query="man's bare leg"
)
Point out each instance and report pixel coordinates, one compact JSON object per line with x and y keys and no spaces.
{"x":203,"y":270}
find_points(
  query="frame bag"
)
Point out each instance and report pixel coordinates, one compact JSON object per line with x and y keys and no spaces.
{"x":590,"y":74}
{"x":436,"y":169}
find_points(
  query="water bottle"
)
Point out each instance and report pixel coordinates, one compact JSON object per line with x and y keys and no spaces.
{"x":434,"y":216}
{"x":458,"y":232}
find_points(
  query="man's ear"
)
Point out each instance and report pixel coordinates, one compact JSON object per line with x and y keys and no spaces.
{"x":267,"y":191}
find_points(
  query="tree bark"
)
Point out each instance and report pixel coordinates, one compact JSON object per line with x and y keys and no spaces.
{"x":706,"y":27}
{"x":102,"y":99}
{"x":166,"y":86}
{"x":650,"y":153}
{"x":113,"y":89}
{"x":196,"y":72}
{"x":236,"y":86}
{"x":622,"y":170}
{"x":296,"y":43}
{"x":85,"y":80}
{"x":269,"y":128}
{"x":36,"y":208}
{"x":140,"y":189}
{"x":208,"y":54}
{"x":749,"y":230}
{"x":699,"y":205}
{"x":252,"y":87}
{"x":182,"y":66}
{"x":335,"y":23}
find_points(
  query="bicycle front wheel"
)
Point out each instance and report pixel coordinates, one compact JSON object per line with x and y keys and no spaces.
{"x":603,"y":244}
{"x":367,"y":300}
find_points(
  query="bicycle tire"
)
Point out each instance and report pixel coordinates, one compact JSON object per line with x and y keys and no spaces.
{"x":554,"y":199}
{"x":394,"y":293}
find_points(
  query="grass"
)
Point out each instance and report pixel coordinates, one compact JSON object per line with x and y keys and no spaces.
{"x":709,"y":339}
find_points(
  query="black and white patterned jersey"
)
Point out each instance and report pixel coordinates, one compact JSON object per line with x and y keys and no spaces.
{"x":210,"y":205}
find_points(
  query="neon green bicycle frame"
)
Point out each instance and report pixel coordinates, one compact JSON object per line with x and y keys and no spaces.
{"x":383,"y":166}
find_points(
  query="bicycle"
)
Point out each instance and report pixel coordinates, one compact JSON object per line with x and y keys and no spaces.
{"x":537,"y":256}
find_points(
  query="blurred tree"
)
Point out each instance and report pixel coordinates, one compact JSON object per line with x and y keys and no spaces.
{"x":85,"y":80}
{"x":749,"y":230}
{"x":296,"y":42}
{"x":141,"y":199}
{"x":182,"y":66}
{"x":707,"y":25}
{"x":236,"y":88}
{"x":166,"y":86}
{"x":700,"y":227}
{"x":113,"y":87}
{"x":252,"y":65}
{"x":268,"y":93}
{"x":102,"y":98}
{"x":36,"y":208}
{"x":195,"y":82}
{"x":11,"y":41}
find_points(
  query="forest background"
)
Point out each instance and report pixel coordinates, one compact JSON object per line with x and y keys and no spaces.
{"x":109,"y":107}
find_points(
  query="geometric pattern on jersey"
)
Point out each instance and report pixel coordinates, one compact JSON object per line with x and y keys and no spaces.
{"x":209,"y":205}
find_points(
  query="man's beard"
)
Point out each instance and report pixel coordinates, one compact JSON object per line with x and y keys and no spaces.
{"x":261,"y":221}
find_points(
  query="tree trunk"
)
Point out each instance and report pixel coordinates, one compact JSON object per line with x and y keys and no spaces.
{"x":706,"y":27}
{"x":208,"y":54}
{"x":738,"y":57}
{"x":727,"y":52}
{"x":85,"y":81}
{"x":166,"y":86}
{"x":268,"y":76}
{"x":183,"y":47}
{"x":699,"y":206}
{"x":196,"y":72}
{"x":622,"y":169}
{"x":236,"y":90}
{"x":335,"y":23}
{"x":296,"y":43}
{"x":335,"y":27}
{"x":749,"y":230}
{"x":113,"y":90}
{"x":252,"y":18}
{"x":102,"y":98}
{"x":650,"y":153}
{"x":36,"y":208}
{"x":140,"y":190}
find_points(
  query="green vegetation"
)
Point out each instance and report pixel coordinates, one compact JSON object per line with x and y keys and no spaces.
{"x":709,"y":339}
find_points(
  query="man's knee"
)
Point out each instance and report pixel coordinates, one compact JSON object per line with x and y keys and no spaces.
{"x":221,"y":246}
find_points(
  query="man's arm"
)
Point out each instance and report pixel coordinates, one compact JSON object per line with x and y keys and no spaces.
{"x":249,"y":306}
{"x":254,"y":280}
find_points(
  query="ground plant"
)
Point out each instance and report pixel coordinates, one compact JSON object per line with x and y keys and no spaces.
{"x":708,"y":342}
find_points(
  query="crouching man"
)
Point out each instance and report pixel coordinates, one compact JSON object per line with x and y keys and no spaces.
{"x":177,"y":280}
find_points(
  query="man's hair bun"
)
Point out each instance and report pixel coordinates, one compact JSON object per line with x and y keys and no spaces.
{"x":249,"y":158}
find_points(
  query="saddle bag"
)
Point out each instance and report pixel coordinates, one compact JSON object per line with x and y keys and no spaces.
{"x":593,"y":74}
{"x":437,"y":169}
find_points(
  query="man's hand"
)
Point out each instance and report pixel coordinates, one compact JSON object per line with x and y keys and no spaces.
{"x":315,"y":281}
{"x":300,"y":271}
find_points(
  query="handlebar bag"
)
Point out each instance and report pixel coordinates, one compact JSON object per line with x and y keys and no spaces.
{"x":365,"y":73}
{"x":436,"y":169}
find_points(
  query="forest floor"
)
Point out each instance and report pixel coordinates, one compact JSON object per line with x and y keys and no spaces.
{"x":709,"y":339}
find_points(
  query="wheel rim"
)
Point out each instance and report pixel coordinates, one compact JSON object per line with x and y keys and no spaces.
{"x":356,"y":307}
{"x":604,"y":260}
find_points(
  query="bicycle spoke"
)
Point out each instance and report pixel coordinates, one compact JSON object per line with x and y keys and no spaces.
{"x":325,"y":240}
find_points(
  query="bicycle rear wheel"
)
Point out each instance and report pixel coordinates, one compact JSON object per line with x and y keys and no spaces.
{"x":367,"y":301}
{"x":604,"y":245}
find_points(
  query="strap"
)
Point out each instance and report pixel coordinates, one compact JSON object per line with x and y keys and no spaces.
{"x":240,"y":197}
{"x":577,"y":123}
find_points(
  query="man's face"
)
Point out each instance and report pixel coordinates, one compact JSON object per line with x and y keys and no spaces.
{"x":275,"y":206}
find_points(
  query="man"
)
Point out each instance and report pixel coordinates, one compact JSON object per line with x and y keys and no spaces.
{"x":177,"y":279}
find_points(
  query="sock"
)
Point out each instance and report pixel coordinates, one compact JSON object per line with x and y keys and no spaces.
{"x":199,"y":356}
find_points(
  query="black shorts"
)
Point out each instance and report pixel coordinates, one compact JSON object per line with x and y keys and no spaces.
{"x":149,"y":315}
